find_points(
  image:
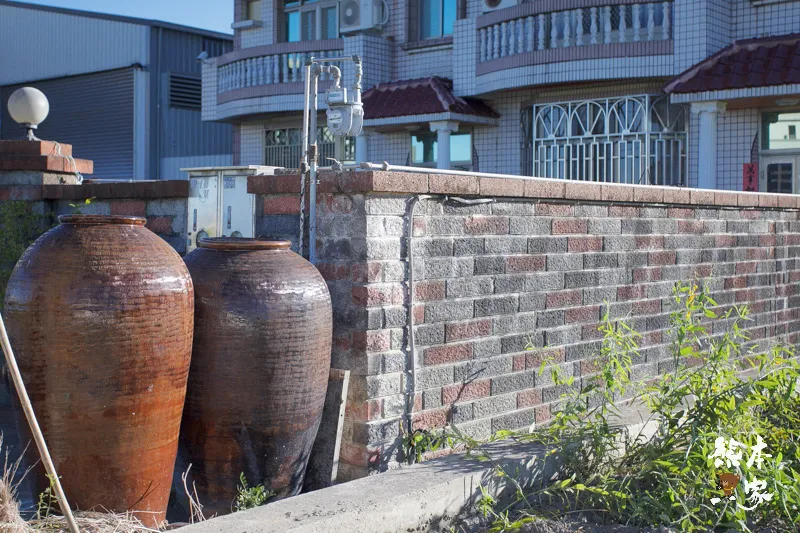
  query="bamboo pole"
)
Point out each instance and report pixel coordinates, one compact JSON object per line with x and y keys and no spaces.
{"x":34,"y":425}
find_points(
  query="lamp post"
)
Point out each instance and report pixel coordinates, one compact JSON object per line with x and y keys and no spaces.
{"x":28,"y":106}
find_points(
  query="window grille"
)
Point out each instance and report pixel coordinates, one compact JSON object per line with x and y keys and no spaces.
{"x":284,"y":147}
{"x":632,"y":139}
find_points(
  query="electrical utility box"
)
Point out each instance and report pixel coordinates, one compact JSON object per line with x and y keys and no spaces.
{"x":219,"y":204}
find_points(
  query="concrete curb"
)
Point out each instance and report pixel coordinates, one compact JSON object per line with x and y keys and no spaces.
{"x":424,"y":497}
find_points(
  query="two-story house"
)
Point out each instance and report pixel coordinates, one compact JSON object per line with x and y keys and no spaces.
{"x":681,"y":92}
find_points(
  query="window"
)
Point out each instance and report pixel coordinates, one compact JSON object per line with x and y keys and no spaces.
{"x":284,"y":147}
{"x":436,"y":18}
{"x":310,"y":20}
{"x":780,"y":177}
{"x":253,"y":9}
{"x":425,"y":150}
{"x":631,"y":139}
{"x":779,"y":130}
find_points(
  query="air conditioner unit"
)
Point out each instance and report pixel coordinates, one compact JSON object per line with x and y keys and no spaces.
{"x":357,"y":15}
{"x":495,"y":5}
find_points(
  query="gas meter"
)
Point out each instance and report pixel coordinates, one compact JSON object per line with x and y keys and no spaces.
{"x":345,"y":112}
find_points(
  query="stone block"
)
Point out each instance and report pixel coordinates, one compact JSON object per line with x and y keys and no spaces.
{"x":468,"y":246}
{"x":448,"y":353}
{"x":435,"y":377}
{"x":430,"y":248}
{"x":440,"y":268}
{"x":469,"y":286}
{"x":600,"y":260}
{"x":507,"y":284}
{"x":547,"y":245}
{"x":506,"y":244}
{"x":449,"y":310}
{"x":487,"y":347}
{"x":494,"y":405}
{"x":482,"y":368}
{"x":532,"y":301}
{"x":490,"y":265}
{"x":545,"y":281}
{"x":529,"y":226}
{"x":520,"y":419}
{"x":429,"y":334}
{"x":499,"y":305}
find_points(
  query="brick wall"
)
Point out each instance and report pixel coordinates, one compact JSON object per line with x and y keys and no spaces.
{"x":163,"y":203}
{"x":531,"y":268}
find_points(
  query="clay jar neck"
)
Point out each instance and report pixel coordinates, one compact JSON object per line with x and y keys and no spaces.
{"x":101,"y":220}
{"x":240,"y":244}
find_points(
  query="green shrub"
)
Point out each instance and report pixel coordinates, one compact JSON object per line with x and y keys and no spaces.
{"x":19,"y":227}
{"x":249,"y":497}
{"x":710,"y":420}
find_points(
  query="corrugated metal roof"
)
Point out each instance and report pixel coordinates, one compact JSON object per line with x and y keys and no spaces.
{"x":119,"y":18}
{"x":40,"y":45}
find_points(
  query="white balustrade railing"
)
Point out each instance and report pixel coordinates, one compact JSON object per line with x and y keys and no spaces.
{"x":625,"y":23}
{"x":266,"y":70}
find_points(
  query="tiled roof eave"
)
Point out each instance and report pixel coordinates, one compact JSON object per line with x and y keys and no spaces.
{"x":744,"y":65}
{"x":736,"y":94}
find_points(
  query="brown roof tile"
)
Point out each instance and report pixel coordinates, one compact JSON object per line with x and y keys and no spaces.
{"x":749,"y":63}
{"x":420,"y":97}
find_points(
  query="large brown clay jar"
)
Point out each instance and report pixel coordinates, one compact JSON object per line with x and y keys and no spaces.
{"x":260,"y":367}
{"x":100,"y":314}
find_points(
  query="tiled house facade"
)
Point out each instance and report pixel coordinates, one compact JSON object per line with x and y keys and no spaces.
{"x":676,"y":92}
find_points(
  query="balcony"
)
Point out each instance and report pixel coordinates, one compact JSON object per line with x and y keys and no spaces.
{"x":528,"y":36}
{"x":265,"y":78}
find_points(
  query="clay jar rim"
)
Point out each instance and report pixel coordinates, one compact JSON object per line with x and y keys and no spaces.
{"x":99,"y":220}
{"x":241,"y":244}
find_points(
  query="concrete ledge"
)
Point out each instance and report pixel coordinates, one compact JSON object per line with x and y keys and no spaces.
{"x":425,"y":497}
{"x":518,"y":187}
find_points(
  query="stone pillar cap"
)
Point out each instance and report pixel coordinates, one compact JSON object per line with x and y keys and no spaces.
{"x":43,"y":156}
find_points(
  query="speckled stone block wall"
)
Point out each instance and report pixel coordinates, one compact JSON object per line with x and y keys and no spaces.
{"x":501,"y":285}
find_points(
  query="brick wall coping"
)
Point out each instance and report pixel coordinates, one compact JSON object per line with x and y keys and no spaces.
{"x":25,"y":147}
{"x":99,"y":190}
{"x":45,"y":163}
{"x":514,"y":187}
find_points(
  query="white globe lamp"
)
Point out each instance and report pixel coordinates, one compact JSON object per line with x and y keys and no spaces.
{"x":28,"y":106}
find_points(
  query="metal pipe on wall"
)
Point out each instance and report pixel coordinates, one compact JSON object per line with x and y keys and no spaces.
{"x":312,"y":174}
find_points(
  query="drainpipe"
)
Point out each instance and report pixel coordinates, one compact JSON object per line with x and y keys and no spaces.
{"x":411,"y":362}
{"x":312,"y":173}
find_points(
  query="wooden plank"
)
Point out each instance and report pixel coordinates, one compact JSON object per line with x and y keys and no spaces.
{"x":323,"y":464}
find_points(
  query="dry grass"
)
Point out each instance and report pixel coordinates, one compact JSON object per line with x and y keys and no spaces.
{"x":10,"y":519}
{"x":88,"y":522}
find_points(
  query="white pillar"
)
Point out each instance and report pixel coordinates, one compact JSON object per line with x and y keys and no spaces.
{"x":707,"y":142}
{"x":443,"y":130}
{"x":362,"y":145}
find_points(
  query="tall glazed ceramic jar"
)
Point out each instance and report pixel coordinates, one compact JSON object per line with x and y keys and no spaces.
{"x":260,"y":367}
{"x":100,"y":314}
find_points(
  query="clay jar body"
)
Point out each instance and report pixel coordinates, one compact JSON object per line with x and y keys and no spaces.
{"x":260,"y":368}
{"x":100,"y":315}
